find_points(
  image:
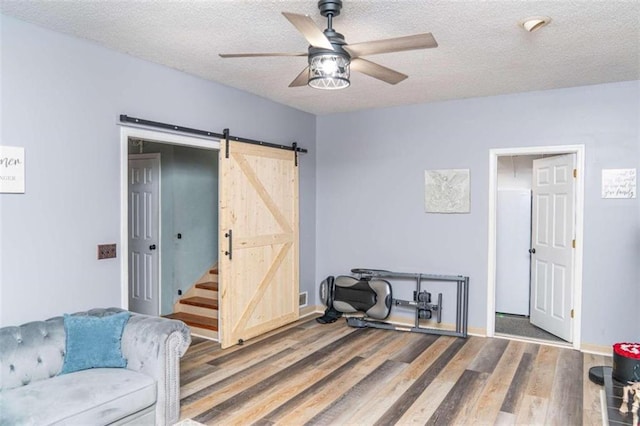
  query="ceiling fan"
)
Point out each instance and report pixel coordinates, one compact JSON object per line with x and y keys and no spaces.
{"x":330,"y":58}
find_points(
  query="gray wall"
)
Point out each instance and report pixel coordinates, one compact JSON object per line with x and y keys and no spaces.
{"x":61,"y":98}
{"x":371,"y":191}
{"x":189,"y":186}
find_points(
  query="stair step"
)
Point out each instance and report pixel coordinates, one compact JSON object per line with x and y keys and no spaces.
{"x":208,"y":286}
{"x":202,"y":302}
{"x":195,"y":320}
{"x":213,"y":271}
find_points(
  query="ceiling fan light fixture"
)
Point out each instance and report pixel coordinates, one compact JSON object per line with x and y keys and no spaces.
{"x":329,"y":71}
{"x":534,"y":23}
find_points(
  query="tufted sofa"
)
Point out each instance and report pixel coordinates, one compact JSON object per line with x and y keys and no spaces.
{"x":146,"y":392}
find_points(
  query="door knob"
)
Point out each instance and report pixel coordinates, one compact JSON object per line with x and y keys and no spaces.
{"x":532,"y":250}
{"x":152,"y":247}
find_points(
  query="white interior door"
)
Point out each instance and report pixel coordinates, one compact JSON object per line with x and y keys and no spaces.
{"x":553,"y":232}
{"x":144,"y":233}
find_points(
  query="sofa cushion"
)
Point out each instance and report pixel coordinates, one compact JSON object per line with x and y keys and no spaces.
{"x":30,"y":352}
{"x":93,"y":342}
{"x":95,"y":396}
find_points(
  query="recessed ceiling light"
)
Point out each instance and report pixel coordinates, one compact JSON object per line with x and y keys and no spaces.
{"x":535,"y":22}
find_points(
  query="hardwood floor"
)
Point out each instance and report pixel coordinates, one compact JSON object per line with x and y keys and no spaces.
{"x":331,"y":374}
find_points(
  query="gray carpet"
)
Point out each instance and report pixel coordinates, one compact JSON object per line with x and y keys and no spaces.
{"x":516,"y":325}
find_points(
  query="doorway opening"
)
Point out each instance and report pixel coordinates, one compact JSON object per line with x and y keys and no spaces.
{"x":186,"y":222}
{"x":515,"y":303}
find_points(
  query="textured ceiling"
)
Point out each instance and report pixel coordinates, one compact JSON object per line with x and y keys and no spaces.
{"x":482,"y":51}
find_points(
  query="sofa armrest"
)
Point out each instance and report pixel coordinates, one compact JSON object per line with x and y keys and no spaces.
{"x":153,"y":346}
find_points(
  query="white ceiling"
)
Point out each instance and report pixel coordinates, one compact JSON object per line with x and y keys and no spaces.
{"x":482,"y":51}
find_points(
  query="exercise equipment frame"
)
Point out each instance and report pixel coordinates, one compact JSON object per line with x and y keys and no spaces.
{"x":462,"y":302}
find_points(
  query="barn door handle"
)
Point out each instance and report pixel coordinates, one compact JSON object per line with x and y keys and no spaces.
{"x":229,"y":253}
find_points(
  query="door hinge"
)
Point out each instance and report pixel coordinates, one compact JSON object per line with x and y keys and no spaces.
{"x":575,"y":173}
{"x":572,"y":313}
{"x":573,"y":243}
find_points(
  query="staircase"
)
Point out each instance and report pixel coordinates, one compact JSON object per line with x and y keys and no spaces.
{"x":198,"y":307}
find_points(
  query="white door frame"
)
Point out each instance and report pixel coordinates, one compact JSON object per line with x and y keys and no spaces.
{"x":579,"y":150}
{"x":140,"y":132}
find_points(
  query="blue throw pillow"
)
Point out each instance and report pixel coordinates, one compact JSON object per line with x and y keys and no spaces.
{"x":93,"y":342}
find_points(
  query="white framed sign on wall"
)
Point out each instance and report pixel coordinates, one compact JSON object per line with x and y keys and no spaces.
{"x":619,"y":183}
{"x":446,"y":191}
{"x":11,"y":170}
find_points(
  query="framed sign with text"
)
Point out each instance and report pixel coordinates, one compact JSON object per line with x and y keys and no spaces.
{"x":11,"y":170}
{"x":619,"y":183}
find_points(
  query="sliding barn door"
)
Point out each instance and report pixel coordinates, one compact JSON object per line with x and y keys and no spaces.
{"x":258,"y":259}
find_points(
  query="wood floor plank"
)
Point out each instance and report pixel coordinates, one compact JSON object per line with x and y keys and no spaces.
{"x":389,"y":345}
{"x":310,"y":373}
{"x":419,"y":344}
{"x":310,"y":407}
{"x":196,"y":373}
{"x":220,"y":406}
{"x":426,"y":404}
{"x":565,"y":402}
{"x":306,"y":364}
{"x":397,"y":410}
{"x":465,"y":389}
{"x":234,"y":367}
{"x":491,"y":353}
{"x":533,"y":410}
{"x":364,"y":388}
{"x":532,"y":348}
{"x":590,"y":393}
{"x":330,"y":358}
{"x":198,"y":345}
{"x":460,"y":362}
{"x":518,"y":384}
{"x":487,"y":407}
{"x":396,"y":342}
{"x":218,"y":392}
{"x":322,"y":341}
{"x":544,"y":369}
{"x":505,"y":419}
{"x":223,"y":357}
{"x":319,"y":387}
{"x":369,"y":410}
{"x":235,"y":378}
{"x":591,"y":418}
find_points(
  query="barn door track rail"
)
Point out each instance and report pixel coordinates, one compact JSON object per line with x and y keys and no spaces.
{"x":223,"y":136}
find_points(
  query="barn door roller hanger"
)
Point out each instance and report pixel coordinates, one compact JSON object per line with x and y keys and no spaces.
{"x":223,"y":136}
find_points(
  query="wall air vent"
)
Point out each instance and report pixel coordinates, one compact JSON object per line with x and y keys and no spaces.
{"x":302,"y":299}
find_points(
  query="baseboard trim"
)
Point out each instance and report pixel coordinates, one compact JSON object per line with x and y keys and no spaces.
{"x":404,"y":321}
{"x":591,"y":348}
{"x":310,"y":310}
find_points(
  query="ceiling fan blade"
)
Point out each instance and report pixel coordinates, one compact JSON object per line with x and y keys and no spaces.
{"x":309,"y":30}
{"x":377,"y":71}
{"x":301,"y":79}
{"x":254,"y":55}
{"x":413,"y":42}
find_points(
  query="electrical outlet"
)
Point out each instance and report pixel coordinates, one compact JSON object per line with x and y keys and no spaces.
{"x":106,"y":251}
